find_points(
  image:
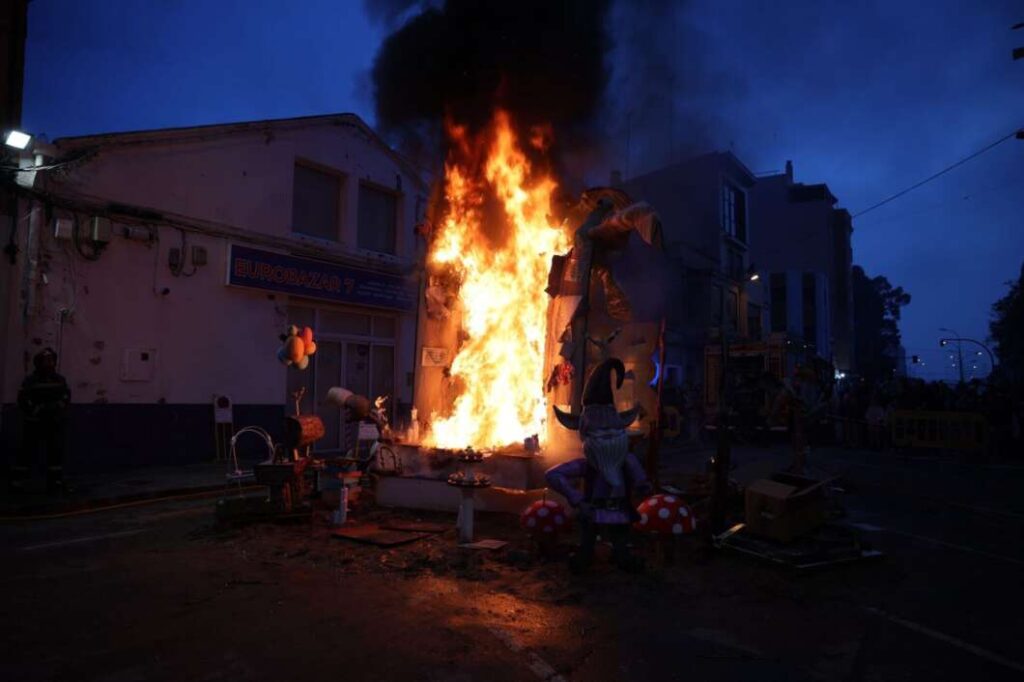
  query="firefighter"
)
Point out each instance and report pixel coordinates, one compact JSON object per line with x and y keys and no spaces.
{"x":43,"y":401}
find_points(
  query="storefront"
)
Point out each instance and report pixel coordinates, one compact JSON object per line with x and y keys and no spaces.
{"x":358,"y":317}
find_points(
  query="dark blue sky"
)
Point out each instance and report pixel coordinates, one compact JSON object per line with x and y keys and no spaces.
{"x":867,"y":96}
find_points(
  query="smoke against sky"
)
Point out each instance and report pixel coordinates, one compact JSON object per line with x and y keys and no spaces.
{"x":869,"y":97}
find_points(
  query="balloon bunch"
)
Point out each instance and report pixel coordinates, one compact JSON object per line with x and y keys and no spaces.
{"x":297,"y":347}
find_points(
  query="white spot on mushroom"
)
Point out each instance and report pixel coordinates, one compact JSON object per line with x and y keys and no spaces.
{"x":653,"y":501}
{"x":663,"y":512}
{"x":670,"y":498}
{"x":550,"y":503}
{"x":677,"y":528}
{"x":683,"y":511}
{"x":542,"y":512}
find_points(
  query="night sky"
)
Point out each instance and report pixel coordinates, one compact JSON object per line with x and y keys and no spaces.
{"x":865,"y":96}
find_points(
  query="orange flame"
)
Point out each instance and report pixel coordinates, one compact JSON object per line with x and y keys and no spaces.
{"x":503,"y":304}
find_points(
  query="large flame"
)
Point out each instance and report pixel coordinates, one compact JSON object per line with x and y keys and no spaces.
{"x":503,"y":305}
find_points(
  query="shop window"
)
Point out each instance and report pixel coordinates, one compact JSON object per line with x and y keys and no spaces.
{"x":316,"y":199}
{"x":378,"y":219}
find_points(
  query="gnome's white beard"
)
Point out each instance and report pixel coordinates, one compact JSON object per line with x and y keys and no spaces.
{"x":606,"y":450}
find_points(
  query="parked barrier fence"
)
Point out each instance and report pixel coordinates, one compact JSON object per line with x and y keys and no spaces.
{"x":941,"y":430}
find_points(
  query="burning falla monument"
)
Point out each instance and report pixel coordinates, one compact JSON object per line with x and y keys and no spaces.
{"x":522,"y":297}
{"x":525,"y":285}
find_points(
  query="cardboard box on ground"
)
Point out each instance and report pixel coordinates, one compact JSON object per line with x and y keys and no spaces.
{"x":784,"y":507}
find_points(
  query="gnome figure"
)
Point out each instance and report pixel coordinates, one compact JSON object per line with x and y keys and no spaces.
{"x":609,"y":471}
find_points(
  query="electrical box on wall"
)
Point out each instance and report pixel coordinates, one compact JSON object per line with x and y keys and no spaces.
{"x":62,"y":228}
{"x":100,"y":230}
{"x":139,"y":233}
{"x":138,"y":364}
{"x":198,"y":255}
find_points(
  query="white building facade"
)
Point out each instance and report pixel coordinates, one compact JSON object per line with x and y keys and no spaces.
{"x":163,"y":266}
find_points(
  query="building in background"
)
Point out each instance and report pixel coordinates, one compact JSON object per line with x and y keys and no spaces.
{"x":705,"y":209}
{"x":799,"y":304}
{"x":802,"y":236}
{"x":163,"y":265}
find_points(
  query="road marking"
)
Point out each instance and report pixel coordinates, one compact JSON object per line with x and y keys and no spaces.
{"x":942,"y":543}
{"x":538,"y":665}
{"x":75,"y":541}
{"x":949,"y":639}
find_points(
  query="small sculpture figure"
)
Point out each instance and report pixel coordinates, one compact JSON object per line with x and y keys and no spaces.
{"x":609,"y":471}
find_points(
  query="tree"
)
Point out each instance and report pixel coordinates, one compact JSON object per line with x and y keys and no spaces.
{"x":876,"y":312}
{"x":1006,"y":329}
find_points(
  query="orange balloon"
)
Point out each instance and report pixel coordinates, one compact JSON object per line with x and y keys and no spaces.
{"x":310,"y":348}
{"x":294,"y":348}
{"x":307,"y":335}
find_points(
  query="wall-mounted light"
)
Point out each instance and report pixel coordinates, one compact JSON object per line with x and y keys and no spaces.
{"x":17,"y":139}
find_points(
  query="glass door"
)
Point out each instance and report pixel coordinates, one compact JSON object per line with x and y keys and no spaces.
{"x":357,"y":368}
{"x":328,"y":362}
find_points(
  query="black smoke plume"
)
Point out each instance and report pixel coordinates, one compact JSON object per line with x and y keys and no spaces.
{"x":543,"y":60}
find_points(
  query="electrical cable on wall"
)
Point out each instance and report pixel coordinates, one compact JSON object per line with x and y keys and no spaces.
{"x":76,"y":238}
{"x":179,"y":271}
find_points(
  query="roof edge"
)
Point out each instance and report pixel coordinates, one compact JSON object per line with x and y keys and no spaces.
{"x":186,"y":133}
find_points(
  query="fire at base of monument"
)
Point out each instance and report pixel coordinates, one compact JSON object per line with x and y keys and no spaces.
{"x":524,"y":294}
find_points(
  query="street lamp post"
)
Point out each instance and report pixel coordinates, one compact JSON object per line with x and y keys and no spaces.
{"x":959,"y":351}
{"x":959,"y":340}
{"x":723,"y":454}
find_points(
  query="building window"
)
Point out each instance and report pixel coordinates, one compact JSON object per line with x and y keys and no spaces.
{"x":754,"y":321}
{"x":731,"y":311}
{"x":734,"y":264}
{"x":378,"y":219}
{"x":734,"y":212}
{"x":778,"y":302}
{"x":316,"y":197}
{"x":716,"y":305}
{"x":810,"y":308}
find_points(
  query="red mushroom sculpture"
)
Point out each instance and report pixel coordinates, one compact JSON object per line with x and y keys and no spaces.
{"x":544,"y":520}
{"x":666,"y":517}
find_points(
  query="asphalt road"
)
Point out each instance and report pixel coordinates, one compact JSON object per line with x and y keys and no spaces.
{"x":157,"y":593}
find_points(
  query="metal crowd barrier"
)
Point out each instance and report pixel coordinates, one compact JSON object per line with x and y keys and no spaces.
{"x":941,"y":430}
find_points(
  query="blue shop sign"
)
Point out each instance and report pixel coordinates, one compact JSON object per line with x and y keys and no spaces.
{"x":269,"y":271}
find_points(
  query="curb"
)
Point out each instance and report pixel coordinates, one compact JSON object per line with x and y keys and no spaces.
{"x":53,"y":510}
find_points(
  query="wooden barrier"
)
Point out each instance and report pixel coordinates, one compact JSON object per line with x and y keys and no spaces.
{"x":940,"y":430}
